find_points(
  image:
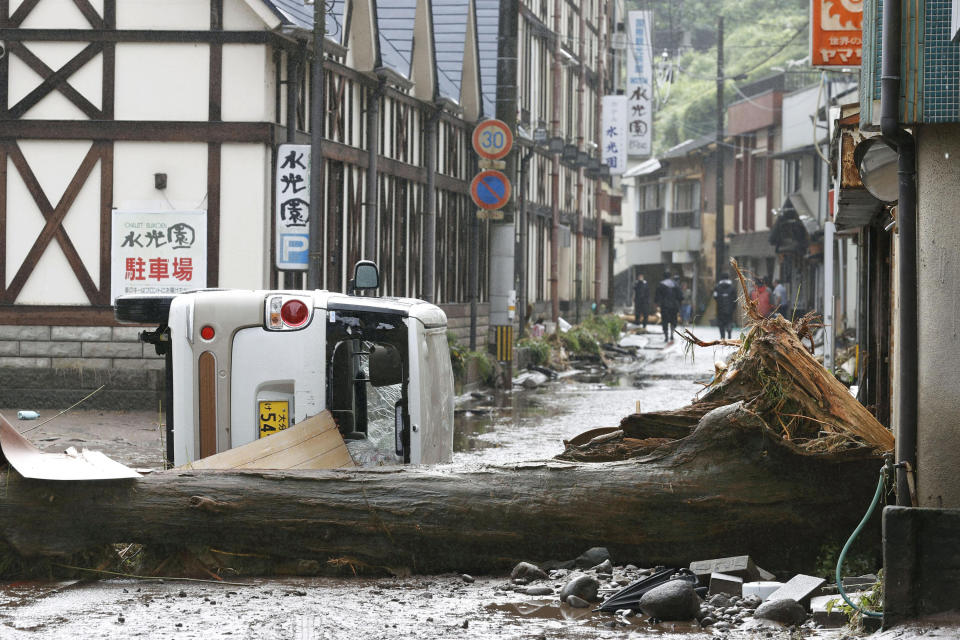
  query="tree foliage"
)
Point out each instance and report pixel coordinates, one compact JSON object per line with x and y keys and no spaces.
{"x":754,"y":33}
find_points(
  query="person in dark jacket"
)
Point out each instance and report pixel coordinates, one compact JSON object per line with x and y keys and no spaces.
{"x":641,"y":300}
{"x":726,"y":296}
{"x":669,"y":297}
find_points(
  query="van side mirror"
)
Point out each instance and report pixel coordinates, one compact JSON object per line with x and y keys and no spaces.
{"x":365,"y":275}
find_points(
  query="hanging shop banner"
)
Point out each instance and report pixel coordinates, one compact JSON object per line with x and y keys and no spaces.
{"x":639,"y":84}
{"x":293,"y":207}
{"x":613,"y":136}
{"x":155,"y":252}
{"x":836,"y":36}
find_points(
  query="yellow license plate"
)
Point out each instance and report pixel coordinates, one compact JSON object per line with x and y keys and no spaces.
{"x":272,"y":417}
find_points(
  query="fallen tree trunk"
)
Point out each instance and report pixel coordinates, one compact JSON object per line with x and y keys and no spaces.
{"x":732,"y":487}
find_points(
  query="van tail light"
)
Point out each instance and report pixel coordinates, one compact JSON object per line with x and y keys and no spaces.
{"x":284,"y":312}
{"x":294,"y":313}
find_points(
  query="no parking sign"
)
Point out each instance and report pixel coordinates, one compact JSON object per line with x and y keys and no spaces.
{"x":490,"y":189}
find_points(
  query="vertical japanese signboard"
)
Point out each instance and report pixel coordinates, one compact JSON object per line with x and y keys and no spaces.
{"x":639,"y":84}
{"x":836,"y":36}
{"x":613,"y":134}
{"x":158,"y":252}
{"x":293,"y":207}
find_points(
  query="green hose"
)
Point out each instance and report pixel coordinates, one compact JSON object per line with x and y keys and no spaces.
{"x":846,"y":547}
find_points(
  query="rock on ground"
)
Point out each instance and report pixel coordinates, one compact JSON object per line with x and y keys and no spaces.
{"x":582,"y":586}
{"x":592,"y":557}
{"x":527,"y":572}
{"x":675,"y":600}
{"x":784,"y":611}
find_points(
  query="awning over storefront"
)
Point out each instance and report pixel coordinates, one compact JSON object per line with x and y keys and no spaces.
{"x":795,"y":226}
{"x":643,"y":169}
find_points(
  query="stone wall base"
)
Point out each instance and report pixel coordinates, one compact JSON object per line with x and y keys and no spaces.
{"x":921,"y":563}
{"x":49,"y":388}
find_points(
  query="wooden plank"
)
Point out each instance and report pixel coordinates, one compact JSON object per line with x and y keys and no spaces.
{"x":314,"y":443}
{"x":54,"y":80}
{"x":22,"y":12}
{"x":141,"y":131}
{"x":139,"y":35}
{"x":215,"y":90}
{"x":4,"y":69}
{"x":66,"y":316}
{"x":106,"y":219}
{"x":207,"y":403}
{"x":108,"y":83}
{"x":110,"y":14}
{"x":3,"y":219}
{"x":213,"y":213}
{"x":90,"y":14}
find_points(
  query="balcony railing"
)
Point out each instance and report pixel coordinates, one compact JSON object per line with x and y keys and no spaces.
{"x":684,"y":219}
{"x":649,"y":222}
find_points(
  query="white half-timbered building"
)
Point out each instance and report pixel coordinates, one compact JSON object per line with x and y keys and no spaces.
{"x":139,"y":107}
{"x":116,"y":114}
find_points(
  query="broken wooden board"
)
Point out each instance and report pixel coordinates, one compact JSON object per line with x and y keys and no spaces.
{"x":32,"y":463}
{"x":314,"y":443}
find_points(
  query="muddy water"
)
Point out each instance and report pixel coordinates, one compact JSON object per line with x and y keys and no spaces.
{"x":532,"y":424}
{"x":525,"y":425}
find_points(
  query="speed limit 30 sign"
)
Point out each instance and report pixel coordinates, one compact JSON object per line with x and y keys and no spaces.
{"x":492,"y":139}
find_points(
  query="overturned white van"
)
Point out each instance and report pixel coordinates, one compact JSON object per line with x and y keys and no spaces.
{"x":244,"y":364}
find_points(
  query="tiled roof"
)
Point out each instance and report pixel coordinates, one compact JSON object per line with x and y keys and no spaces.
{"x":687,"y":146}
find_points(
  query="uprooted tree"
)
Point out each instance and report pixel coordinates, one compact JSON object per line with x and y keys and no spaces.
{"x":776,"y":459}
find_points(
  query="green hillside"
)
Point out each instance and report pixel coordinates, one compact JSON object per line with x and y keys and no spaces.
{"x":759,"y":36}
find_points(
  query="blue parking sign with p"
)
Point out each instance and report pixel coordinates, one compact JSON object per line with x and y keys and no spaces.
{"x":294,"y":251}
{"x":292,"y":215}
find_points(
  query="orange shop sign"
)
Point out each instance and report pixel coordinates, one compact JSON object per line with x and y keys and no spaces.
{"x":836,"y":35}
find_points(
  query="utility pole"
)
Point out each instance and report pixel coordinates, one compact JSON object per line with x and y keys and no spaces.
{"x":556,"y":97}
{"x":317,"y":113}
{"x":719,"y":230}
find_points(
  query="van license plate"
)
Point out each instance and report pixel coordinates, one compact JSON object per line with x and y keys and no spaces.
{"x":273,"y":416}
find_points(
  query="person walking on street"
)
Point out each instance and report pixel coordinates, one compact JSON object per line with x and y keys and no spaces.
{"x":779,"y":297}
{"x":761,"y":296}
{"x":641,"y":300}
{"x":726,"y":296}
{"x":686,"y":306}
{"x":668,"y":297}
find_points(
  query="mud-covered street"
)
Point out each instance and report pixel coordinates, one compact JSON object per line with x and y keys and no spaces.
{"x":496,"y":429}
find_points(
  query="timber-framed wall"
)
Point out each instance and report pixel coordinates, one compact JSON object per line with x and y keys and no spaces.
{"x":55,"y":273}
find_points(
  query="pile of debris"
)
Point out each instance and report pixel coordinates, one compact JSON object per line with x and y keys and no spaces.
{"x":778,"y":381}
{"x":725,"y":594}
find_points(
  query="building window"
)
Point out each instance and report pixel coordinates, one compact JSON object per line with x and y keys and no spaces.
{"x":686,"y":204}
{"x":650,"y":211}
{"x":759,"y":177}
{"x":792,"y":175}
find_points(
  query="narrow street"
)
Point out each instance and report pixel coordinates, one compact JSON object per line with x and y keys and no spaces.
{"x":524,"y":425}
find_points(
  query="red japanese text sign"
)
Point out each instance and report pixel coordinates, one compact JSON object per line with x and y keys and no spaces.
{"x":161,"y":252}
{"x":836,"y":35}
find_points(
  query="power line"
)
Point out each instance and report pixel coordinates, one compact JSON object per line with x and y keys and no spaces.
{"x":802,"y":28}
